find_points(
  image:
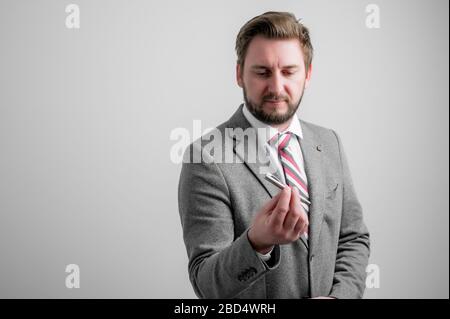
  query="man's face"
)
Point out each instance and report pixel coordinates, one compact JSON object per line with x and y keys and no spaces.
{"x":273,"y":78}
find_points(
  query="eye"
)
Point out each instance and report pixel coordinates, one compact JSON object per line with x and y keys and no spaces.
{"x":288,"y":73}
{"x":262,"y":74}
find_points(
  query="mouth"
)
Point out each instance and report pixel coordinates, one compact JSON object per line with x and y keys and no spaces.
{"x":275,"y":102}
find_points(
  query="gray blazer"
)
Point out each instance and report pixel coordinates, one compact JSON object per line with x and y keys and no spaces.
{"x":217,"y":201}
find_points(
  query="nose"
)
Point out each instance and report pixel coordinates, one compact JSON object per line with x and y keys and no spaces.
{"x":275,"y":84}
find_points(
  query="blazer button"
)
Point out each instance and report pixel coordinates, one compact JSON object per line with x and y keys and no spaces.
{"x":319,"y":148}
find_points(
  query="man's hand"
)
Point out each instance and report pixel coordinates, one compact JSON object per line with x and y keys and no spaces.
{"x":282,"y":220}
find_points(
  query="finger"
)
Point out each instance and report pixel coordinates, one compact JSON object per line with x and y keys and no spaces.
{"x":295,"y":206}
{"x":270,"y":205}
{"x":291,"y":219}
{"x":299,"y":226}
{"x":302,"y":224}
{"x":303,"y":229}
{"x":295,"y":200}
{"x":280,"y":211}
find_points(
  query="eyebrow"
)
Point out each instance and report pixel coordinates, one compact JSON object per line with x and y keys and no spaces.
{"x":258,"y":66}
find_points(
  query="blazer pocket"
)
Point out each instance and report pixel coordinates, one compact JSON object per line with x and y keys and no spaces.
{"x":332,"y":206}
{"x":332,"y":190}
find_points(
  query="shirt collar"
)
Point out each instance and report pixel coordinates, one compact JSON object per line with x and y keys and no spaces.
{"x":295,"y":126}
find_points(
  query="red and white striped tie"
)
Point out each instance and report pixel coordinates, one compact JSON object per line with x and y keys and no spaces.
{"x":292,"y":171}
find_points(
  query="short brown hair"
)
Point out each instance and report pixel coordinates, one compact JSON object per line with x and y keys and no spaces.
{"x":274,"y":25}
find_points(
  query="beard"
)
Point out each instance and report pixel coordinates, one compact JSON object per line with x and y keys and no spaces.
{"x":273,"y":117}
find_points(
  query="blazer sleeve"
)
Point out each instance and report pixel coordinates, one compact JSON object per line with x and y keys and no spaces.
{"x":354,"y":243}
{"x":221,"y":263}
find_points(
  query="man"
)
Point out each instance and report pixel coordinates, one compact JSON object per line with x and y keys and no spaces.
{"x":245,"y":237}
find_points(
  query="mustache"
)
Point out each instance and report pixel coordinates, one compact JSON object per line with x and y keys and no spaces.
{"x":275,"y":98}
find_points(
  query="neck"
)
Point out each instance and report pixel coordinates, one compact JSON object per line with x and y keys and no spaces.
{"x":283,"y":126}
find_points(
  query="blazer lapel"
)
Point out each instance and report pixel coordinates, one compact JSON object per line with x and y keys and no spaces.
{"x":247,"y":152}
{"x":312,"y":155}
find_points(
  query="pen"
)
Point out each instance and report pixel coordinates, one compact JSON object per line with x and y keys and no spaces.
{"x":271,"y":178}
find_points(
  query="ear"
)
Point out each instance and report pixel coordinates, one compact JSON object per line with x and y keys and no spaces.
{"x":308,"y":76}
{"x":239,"y":72}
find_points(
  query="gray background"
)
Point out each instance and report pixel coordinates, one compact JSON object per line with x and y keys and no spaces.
{"x":86,"y":115}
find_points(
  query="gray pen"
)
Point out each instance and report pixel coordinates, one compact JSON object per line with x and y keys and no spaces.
{"x":274,"y":180}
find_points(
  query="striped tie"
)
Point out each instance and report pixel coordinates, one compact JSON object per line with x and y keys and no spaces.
{"x":292,"y":171}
